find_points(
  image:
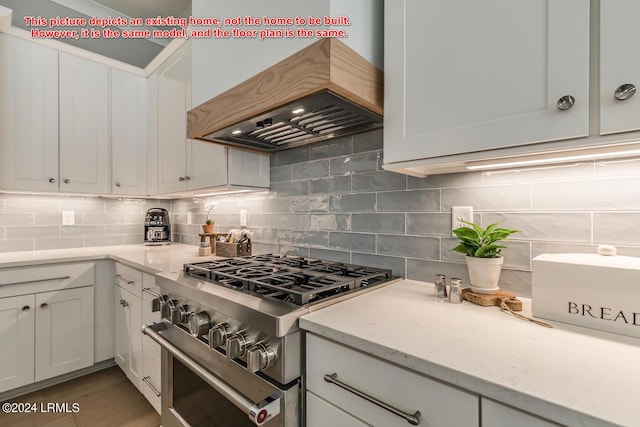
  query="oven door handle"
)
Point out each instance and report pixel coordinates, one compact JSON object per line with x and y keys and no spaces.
{"x":259,"y":413}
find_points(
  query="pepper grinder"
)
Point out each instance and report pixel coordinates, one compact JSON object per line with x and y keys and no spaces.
{"x":455,"y":291}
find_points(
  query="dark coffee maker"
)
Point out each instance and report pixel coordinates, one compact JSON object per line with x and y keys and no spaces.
{"x":157,"y":228}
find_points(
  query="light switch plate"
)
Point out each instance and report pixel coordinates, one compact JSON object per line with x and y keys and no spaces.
{"x":68,"y":218}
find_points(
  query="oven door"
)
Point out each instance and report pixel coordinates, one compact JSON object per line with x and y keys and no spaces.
{"x":200,"y":387}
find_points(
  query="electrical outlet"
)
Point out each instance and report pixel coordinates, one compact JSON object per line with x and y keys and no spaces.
{"x":459,"y":214}
{"x":68,"y":218}
{"x":243,"y":217}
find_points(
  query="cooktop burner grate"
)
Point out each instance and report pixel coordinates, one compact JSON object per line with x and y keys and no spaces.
{"x":294,"y":279}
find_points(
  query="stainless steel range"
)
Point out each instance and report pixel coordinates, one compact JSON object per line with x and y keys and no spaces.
{"x":233,"y":353}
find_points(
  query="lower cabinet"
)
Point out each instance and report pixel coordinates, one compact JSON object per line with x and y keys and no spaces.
{"x":352,"y":375}
{"x":17,"y":354}
{"x":496,"y":414}
{"x":321,"y":413}
{"x":128,"y":342}
{"x":150,"y":349}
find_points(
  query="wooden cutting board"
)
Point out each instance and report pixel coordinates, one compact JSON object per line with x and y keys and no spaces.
{"x":493,"y":299}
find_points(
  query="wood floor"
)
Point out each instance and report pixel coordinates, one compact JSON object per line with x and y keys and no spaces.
{"x":105,"y":399}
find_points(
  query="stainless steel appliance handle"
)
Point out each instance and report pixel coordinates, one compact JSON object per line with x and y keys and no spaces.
{"x":150,"y":292}
{"x":259,"y":412}
{"x":124,"y":279}
{"x":413,"y":419}
{"x":147,"y":381}
{"x":27,"y":282}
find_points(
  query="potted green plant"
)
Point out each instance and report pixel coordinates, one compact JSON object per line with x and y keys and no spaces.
{"x":208,"y":225}
{"x":483,"y":254}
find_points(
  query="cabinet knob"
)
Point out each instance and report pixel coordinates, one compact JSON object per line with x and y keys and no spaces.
{"x":52,"y":180}
{"x":566,"y":102}
{"x":26,"y":308}
{"x":181,"y":178}
{"x":124,"y":303}
{"x":187,"y":178}
{"x":117,"y":184}
{"x":66,"y":181}
{"x":44,"y":305}
{"x":625,"y":91}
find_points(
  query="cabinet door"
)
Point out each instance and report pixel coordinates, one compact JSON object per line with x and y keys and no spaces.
{"x":619,"y":65}
{"x":465,"y":76}
{"x":321,"y":413}
{"x":128,"y":348}
{"x":84,"y":126}
{"x":497,"y":415}
{"x":17,"y":350}
{"x":206,"y":164}
{"x":64,"y":331}
{"x":172,"y":122}
{"x":28,"y":115}
{"x":246,"y":168}
{"x":128,"y":133}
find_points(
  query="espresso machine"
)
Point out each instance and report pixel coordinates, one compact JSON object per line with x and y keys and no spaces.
{"x":157,"y":228}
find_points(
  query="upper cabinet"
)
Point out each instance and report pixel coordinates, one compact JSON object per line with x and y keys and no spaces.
{"x":469,"y":76}
{"x":619,"y":66}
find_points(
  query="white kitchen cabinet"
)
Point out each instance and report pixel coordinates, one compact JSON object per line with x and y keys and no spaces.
{"x":619,"y":66}
{"x":17,"y":317}
{"x":84,"y":125}
{"x":150,"y":349}
{"x":128,"y":342}
{"x":495,"y":414}
{"x":469,"y":76}
{"x":321,"y":413}
{"x":128,"y":133}
{"x":64,"y":331}
{"x":28,"y":115}
{"x":440,"y":405}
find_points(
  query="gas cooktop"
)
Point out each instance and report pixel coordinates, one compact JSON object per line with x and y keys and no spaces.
{"x":293,"y":279}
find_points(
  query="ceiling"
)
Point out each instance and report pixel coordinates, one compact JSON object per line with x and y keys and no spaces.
{"x":136,"y":52}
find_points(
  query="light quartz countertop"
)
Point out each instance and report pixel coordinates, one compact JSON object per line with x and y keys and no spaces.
{"x":570,"y":375}
{"x":150,"y":259}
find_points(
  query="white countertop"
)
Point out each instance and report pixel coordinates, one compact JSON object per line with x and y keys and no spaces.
{"x":150,"y":259}
{"x":571,"y":375}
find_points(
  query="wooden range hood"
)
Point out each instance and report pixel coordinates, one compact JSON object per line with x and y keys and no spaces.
{"x":324,"y":91}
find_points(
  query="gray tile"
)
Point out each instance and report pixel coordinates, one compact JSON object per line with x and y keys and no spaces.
{"x":2,"y":233}
{"x":368,"y":141}
{"x":274,"y":236}
{"x":106,"y":219}
{"x":16,"y":219}
{"x":112,"y":230}
{"x":617,"y":228}
{"x":329,"y":255}
{"x":292,"y":221}
{"x":316,"y":169}
{"x":310,"y":204}
{"x":600,"y":195}
{"x":331,"y":148}
{"x":293,"y":250}
{"x":409,"y":246}
{"x":364,"y":202}
{"x":365,"y":162}
{"x":31,"y":206}
{"x":378,"y":223}
{"x":1,"y":206}
{"x":133,"y":239}
{"x":260,"y":220}
{"x":465,"y":179}
{"x":425,"y":270}
{"x":310,"y":238}
{"x":93,"y":241}
{"x":409,"y":201}
{"x":378,"y":181}
{"x":395,"y":264}
{"x":332,"y":222}
{"x":258,"y":248}
{"x":127,"y":208}
{"x":292,"y":155}
{"x":550,"y":227}
{"x":87,"y":204}
{"x":333,"y":185}
{"x":540,"y":174}
{"x":59,"y":243}
{"x":353,"y":241}
{"x":16,"y":245}
{"x":32,"y":232}
{"x":429,"y":224}
{"x":81,"y":230}
{"x":281,"y":173}
{"x":293,"y":188}
{"x":55,"y":219}
{"x":616,"y":168}
{"x":498,"y":198}
{"x":518,"y":282}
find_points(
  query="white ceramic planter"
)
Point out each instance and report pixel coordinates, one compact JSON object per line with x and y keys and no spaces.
{"x":484,"y":274}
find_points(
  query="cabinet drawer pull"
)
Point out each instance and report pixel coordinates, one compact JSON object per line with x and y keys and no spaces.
{"x":124,"y":303}
{"x":124,"y":279}
{"x":413,"y":419}
{"x":625,"y":91}
{"x":566,"y":103}
{"x":52,"y":180}
{"x":67,"y":181}
{"x":44,"y":305}
{"x":153,"y":389}
{"x":25,"y":308}
{"x":27,"y":282}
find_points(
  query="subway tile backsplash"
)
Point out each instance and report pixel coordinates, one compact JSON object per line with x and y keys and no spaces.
{"x":354,"y":211}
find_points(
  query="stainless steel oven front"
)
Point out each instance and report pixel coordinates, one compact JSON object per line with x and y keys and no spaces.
{"x":203,"y":388}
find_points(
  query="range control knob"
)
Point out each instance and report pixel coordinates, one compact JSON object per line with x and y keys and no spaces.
{"x":218,"y":335}
{"x":237,"y":345}
{"x":168,"y":307}
{"x":199,"y":323}
{"x":260,"y":357}
{"x":179,"y":314}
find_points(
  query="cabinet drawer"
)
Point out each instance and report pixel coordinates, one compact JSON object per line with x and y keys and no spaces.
{"x":45,"y":278}
{"x":129,"y":278}
{"x":321,"y":413}
{"x":151,"y":373}
{"x":440,"y":405}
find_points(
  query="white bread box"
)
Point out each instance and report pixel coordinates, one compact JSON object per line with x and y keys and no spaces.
{"x":597,"y":291}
